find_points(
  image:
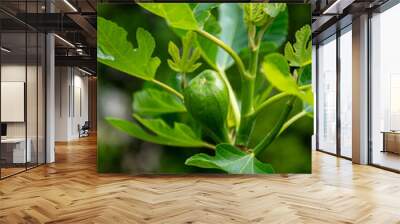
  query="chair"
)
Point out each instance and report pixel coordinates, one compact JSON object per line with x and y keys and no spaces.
{"x":84,"y":130}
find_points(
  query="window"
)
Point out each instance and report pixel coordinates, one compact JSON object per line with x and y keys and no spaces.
{"x":22,"y":77}
{"x":327,"y":95}
{"x":346,"y":92}
{"x":385,"y":89}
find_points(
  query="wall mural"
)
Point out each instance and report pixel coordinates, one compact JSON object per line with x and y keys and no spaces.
{"x":204,"y":88}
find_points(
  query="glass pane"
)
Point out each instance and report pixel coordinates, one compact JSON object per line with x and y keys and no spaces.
{"x":32,"y":97}
{"x":327,"y":96}
{"x":385,"y":84}
{"x":14,"y":153}
{"x":346,"y":94}
{"x":41,"y":98}
{"x":314,"y":75}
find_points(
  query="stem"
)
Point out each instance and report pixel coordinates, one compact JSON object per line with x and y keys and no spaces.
{"x":267,"y":140}
{"x":265,"y":94}
{"x":228,"y":50}
{"x":168,"y":88}
{"x":247,"y":122}
{"x":208,"y":145}
{"x":276,"y":98}
{"x":292,"y":120}
{"x":184,"y":81}
{"x":270,"y":101}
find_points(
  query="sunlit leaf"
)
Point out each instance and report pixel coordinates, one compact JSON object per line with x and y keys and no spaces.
{"x":231,"y":160}
{"x":177,"y":15}
{"x":180,"y":134}
{"x":276,"y":69}
{"x":273,"y":38}
{"x":254,"y":13}
{"x":185,"y":62}
{"x":153,"y":102}
{"x":260,"y":14}
{"x":136,"y":131}
{"x":117,"y":52}
{"x":184,"y":136}
{"x":273,"y":9}
{"x":299,"y":54}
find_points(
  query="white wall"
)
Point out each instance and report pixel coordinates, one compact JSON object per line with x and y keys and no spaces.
{"x":71,"y":102}
{"x":33,"y":127}
{"x":17,"y":73}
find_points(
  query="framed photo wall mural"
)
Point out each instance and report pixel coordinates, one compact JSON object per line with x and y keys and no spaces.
{"x":204,"y":88}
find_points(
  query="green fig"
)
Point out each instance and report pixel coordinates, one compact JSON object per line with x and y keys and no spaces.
{"x":207,"y":100}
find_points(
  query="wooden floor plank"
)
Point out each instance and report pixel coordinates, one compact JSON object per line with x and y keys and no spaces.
{"x":71,"y":191}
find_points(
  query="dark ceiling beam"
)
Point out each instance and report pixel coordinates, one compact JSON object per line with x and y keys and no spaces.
{"x":79,"y":61}
{"x":337,"y":7}
{"x":86,"y":27}
{"x":91,"y":5}
{"x":49,"y":22}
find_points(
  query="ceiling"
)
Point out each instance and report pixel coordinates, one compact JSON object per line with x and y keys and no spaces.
{"x":74,"y":22}
{"x":332,"y":15}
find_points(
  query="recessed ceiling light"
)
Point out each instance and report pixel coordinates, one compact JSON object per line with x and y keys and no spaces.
{"x":84,"y":71}
{"x":5,"y":50}
{"x":64,"y":40}
{"x":70,"y":5}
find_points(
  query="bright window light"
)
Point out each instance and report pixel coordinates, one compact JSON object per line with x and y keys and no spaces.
{"x":84,"y":71}
{"x":65,"y":41}
{"x":5,"y":50}
{"x":70,"y":5}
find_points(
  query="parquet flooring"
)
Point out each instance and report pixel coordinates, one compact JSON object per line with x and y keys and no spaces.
{"x":70,"y":191}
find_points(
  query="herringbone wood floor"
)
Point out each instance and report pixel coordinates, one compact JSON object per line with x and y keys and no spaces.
{"x":70,"y":191}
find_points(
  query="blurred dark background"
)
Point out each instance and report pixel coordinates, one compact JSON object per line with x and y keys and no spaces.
{"x":117,"y":152}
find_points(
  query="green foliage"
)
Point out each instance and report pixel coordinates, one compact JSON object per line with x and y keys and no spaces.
{"x":187,"y":62}
{"x":299,"y":54}
{"x":154,"y":102}
{"x":177,"y":15}
{"x":207,"y":100}
{"x":274,"y":9}
{"x":230,"y":20}
{"x":277,"y":71}
{"x":254,"y":13}
{"x":231,"y":160}
{"x":259,"y":14}
{"x":305,"y":75}
{"x":202,"y":12}
{"x":115,"y":51}
{"x":209,"y":51}
{"x":224,"y":35}
{"x":180,"y":135}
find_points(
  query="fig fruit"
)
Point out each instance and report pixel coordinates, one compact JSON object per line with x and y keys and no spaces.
{"x":207,"y":100}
